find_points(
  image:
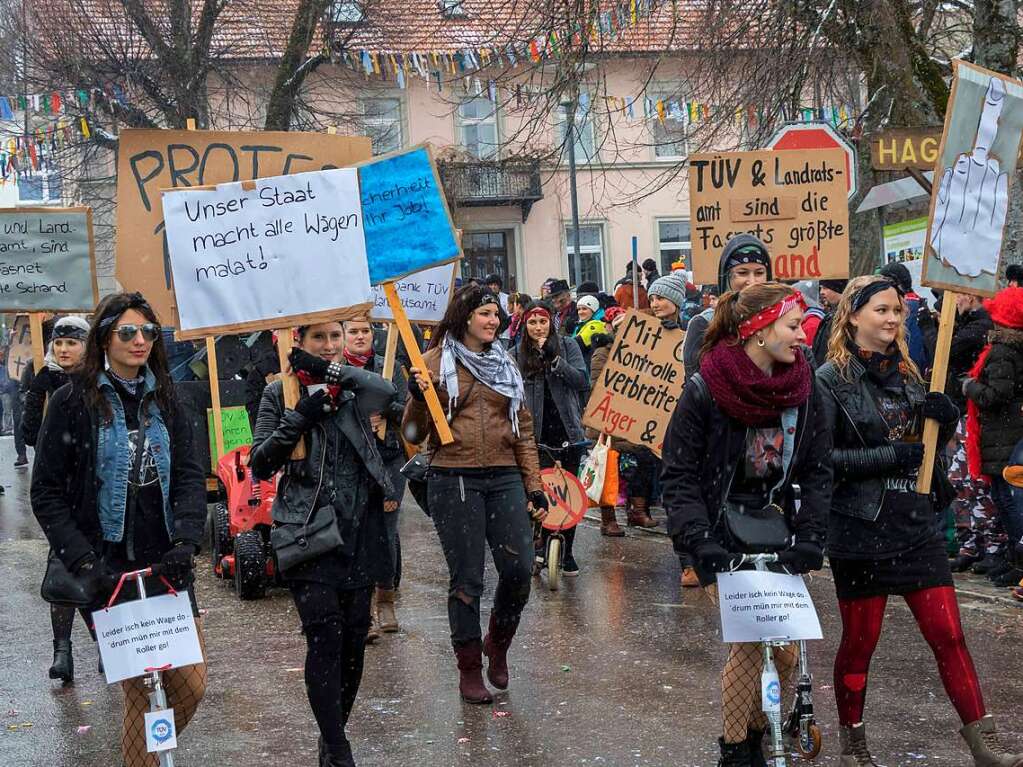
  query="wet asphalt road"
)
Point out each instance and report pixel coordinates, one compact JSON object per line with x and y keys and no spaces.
{"x":617,"y":668}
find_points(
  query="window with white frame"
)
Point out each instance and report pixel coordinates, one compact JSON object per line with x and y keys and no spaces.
{"x":585,"y":134}
{"x":346,"y":12}
{"x":674,"y":244}
{"x":381,"y":119}
{"x":668,"y":121}
{"x":477,"y":127}
{"x":588,"y":264}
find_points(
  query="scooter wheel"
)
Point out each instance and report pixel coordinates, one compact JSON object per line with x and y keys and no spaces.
{"x":554,"y":563}
{"x":816,"y":740}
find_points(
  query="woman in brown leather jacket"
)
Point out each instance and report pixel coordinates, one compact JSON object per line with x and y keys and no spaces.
{"x":483,"y":487}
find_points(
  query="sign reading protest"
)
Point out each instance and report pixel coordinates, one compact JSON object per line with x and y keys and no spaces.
{"x":237,"y":431}
{"x":147,"y":633}
{"x":424,"y":295}
{"x":901,"y":148}
{"x":46,"y":260}
{"x":639,"y":386}
{"x":271,"y":253}
{"x":758,"y":606}
{"x":795,"y":201}
{"x":151,"y":160}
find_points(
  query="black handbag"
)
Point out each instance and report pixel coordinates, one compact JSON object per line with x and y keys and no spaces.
{"x":754,"y":529}
{"x":296,"y":543}
{"x":415,"y":472}
{"x":62,"y":587}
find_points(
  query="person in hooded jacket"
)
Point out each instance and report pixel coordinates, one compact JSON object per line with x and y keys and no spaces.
{"x":117,"y":487}
{"x":750,"y":427}
{"x":744,"y":261}
{"x":884,"y":538}
{"x":343,"y":473}
{"x":591,"y":323}
{"x":67,"y":348}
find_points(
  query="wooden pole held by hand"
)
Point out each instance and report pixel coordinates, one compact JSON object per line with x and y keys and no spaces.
{"x":218,"y":416}
{"x":440,"y":421}
{"x":390,"y":352}
{"x":938,"y":376}
{"x":35,"y":327}
{"x":290,"y":383}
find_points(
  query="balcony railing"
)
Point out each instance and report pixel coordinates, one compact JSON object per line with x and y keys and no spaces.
{"x":488,"y":183}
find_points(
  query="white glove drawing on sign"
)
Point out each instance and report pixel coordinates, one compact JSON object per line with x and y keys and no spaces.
{"x":973,"y":199}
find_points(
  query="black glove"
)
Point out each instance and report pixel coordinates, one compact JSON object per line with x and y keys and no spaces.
{"x":908,"y":455}
{"x":315,"y":407}
{"x":177,"y":563}
{"x":301,"y":360}
{"x":414,"y":391}
{"x":549,"y":350}
{"x":938,"y":406}
{"x":598,"y":340}
{"x":539,"y":500}
{"x":98,"y":579}
{"x":803,"y":557}
{"x":714,"y":557}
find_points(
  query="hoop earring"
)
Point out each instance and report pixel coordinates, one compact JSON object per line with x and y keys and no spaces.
{"x":760,"y":342}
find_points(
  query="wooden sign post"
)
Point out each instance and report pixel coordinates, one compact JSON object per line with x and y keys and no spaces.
{"x":390,"y":352}
{"x":35,"y":324}
{"x":938,"y":375}
{"x":285,"y":341}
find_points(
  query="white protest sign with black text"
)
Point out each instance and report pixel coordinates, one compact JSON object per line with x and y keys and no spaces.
{"x":757,"y":606}
{"x":424,"y":295}
{"x":146,"y":634}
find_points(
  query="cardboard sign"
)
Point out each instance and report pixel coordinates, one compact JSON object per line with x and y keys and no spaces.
{"x":19,"y":352}
{"x":147,"y":634}
{"x":161,"y":735}
{"x":151,"y":160}
{"x":46,"y":260}
{"x":976,"y":165}
{"x":408,"y":226}
{"x":272,"y":253}
{"x":237,"y":431}
{"x":901,"y":148}
{"x":641,"y":383}
{"x":793,"y":200}
{"x":759,"y":606}
{"x":424,"y":295}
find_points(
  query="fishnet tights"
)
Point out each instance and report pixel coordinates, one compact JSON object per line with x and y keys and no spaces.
{"x":185,"y":688}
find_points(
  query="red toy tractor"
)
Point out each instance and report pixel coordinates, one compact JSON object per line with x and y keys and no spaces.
{"x":240,"y":527}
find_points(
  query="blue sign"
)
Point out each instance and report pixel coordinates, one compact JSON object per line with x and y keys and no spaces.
{"x":162,"y":730}
{"x":405,"y":219}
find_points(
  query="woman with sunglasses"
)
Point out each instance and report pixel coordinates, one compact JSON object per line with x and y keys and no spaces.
{"x":117,"y":485}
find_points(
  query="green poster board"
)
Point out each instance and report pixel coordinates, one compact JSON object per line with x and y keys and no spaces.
{"x":237,"y":431}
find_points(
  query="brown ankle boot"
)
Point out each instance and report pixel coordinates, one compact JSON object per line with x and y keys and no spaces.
{"x":374,"y":630}
{"x":470,"y":673}
{"x":608,"y":523}
{"x":638,"y":514}
{"x":387,"y":618}
{"x":982,"y":738}
{"x":495,"y":647}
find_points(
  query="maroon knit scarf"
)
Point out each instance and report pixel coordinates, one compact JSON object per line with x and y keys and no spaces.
{"x":746,"y":393}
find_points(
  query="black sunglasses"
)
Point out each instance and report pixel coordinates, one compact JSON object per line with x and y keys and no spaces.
{"x":150,"y":331}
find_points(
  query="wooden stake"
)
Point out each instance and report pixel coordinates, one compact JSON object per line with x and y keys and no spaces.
{"x":390,"y":352}
{"x":218,"y":415}
{"x":938,"y":375}
{"x":35,"y":326}
{"x":290,"y":382}
{"x":440,"y":421}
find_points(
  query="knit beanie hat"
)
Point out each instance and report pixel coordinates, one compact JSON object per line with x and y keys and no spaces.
{"x":670,"y":286}
{"x":71,"y":327}
{"x":742,"y":249}
{"x":590,"y":302}
{"x":899,"y":274}
{"x":837,"y":286}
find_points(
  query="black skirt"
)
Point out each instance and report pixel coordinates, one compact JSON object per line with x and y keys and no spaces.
{"x":924,"y":567}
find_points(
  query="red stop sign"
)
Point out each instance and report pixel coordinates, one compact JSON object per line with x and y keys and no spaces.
{"x":817,"y":135}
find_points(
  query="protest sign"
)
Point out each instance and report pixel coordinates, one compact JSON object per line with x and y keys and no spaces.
{"x":147,"y":634}
{"x":151,"y":160}
{"x":793,"y":200}
{"x":265,"y":254}
{"x":236,"y":429}
{"x":970,"y":197}
{"x":408,"y":226}
{"x":639,"y":386}
{"x":757,"y":606}
{"x":19,"y":352}
{"x":425,"y":295}
{"x":46,"y":260}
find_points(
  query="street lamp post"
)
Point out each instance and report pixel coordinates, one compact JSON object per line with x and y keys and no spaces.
{"x":569,"y":107}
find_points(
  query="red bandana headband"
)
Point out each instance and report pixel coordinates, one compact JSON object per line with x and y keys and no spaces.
{"x":536,"y":310}
{"x":767,"y":316}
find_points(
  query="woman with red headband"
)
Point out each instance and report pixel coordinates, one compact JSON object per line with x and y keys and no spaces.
{"x":884,"y":538}
{"x":749,"y":427}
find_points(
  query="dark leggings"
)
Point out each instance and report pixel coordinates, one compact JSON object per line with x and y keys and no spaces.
{"x":62,"y":618}
{"x":937,"y":614}
{"x":471,"y":510}
{"x":335,"y":623}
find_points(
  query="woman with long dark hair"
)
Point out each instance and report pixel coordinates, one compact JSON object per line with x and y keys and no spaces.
{"x":342,"y":477}
{"x":117,"y":486}
{"x":749,"y":428}
{"x":884,"y":538}
{"x":482,"y":487}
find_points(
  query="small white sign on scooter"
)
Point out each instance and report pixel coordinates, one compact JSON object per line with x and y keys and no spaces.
{"x":146,"y":634}
{"x":759,"y":606}
{"x":161,"y":734}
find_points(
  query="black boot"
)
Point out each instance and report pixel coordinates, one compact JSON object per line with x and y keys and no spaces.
{"x":734,"y":754}
{"x":988,"y":563}
{"x":964,"y":562}
{"x":63,"y":667}
{"x":336,"y":755}
{"x":755,"y":741}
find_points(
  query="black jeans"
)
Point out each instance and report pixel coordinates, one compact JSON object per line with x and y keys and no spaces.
{"x":335,"y":623}
{"x":470,"y":510}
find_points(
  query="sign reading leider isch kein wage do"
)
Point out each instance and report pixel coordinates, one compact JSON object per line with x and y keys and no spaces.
{"x":46,"y":260}
{"x":274,"y":252}
{"x":794,"y":200}
{"x":639,"y":386}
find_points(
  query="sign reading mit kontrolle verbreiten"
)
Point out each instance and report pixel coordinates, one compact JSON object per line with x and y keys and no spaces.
{"x":637,"y":390}
{"x":270,"y":253}
{"x":796,"y":201}
{"x":46,"y":260}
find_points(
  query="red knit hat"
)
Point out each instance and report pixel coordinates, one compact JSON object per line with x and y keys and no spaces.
{"x":1006,"y":308}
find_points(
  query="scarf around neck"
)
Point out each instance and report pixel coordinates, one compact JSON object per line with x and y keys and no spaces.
{"x":889,"y":371}
{"x":748,"y":394}
{"x":357,"y":360}
{"x":493,"y":368}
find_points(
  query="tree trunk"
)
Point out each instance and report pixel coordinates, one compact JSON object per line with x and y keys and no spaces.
{"x":295,"y":66}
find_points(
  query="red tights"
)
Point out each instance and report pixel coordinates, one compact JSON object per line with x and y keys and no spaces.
{"x":937,"y":614}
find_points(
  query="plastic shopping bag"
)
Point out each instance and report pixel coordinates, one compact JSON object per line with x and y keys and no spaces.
{"x":595,"y":468}
{"x":609,"y":494}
